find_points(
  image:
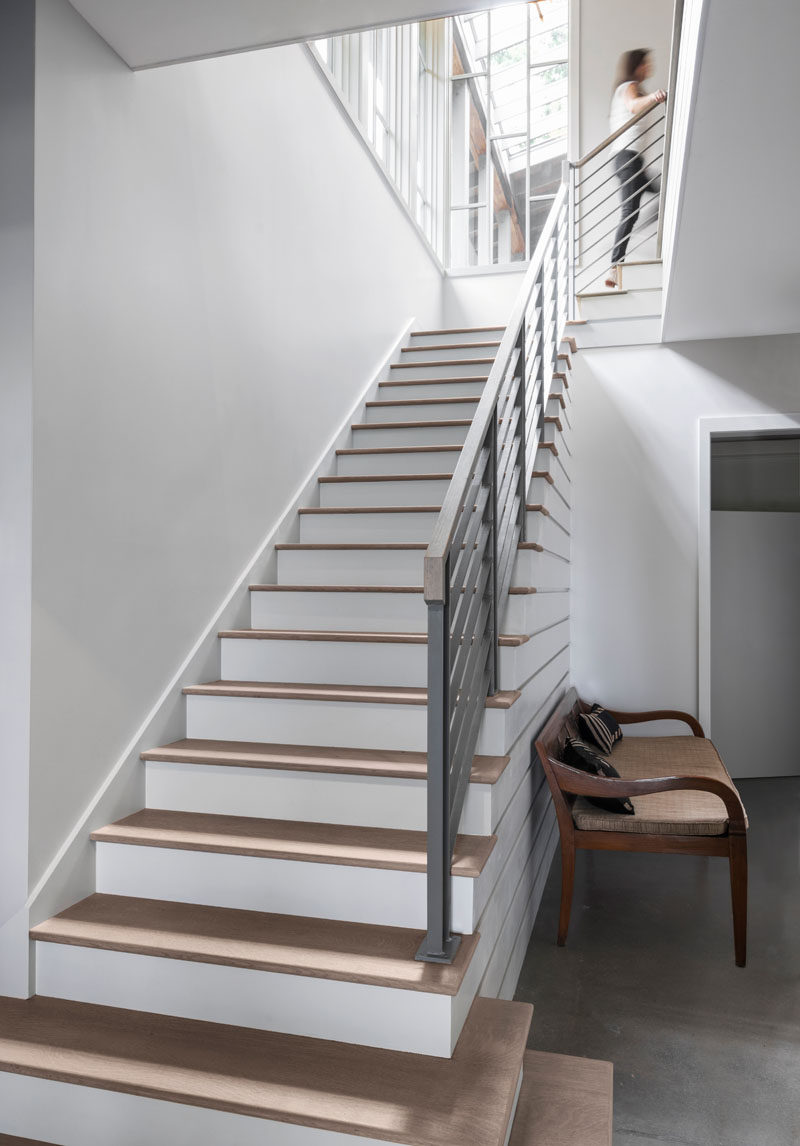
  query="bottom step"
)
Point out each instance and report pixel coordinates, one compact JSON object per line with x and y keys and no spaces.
{"x":86,"y":1075}
{"x":564,"y":1101}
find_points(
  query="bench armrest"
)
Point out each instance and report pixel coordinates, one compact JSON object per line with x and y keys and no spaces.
{"x":582,"y":784}
{"x":657,"y":714}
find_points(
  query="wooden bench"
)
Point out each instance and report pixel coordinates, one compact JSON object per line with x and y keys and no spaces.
{"x":685,"y":802}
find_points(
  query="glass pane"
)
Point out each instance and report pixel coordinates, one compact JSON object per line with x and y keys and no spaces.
{"x":539,"y":210}
{"x":549,"y":89}
{"x":549,"y":30}
{"x":474,"y":31}
{"x":468,"y":142}
{"x":467,"y":237}
{"x":508,"y":221}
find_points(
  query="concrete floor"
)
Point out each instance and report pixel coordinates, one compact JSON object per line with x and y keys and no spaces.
{"x":704,"y":1053}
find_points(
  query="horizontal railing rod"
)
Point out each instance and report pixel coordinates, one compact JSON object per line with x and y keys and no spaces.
{"x":605,"y":255}
{"x":439,"y":546}
{"x":595,"y":171}
{"x":578,"y":163}
{"x":583,"y":212}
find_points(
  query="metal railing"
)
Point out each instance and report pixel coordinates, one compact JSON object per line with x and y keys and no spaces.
{"x":600,"y":186}
{"x":470,"y":560}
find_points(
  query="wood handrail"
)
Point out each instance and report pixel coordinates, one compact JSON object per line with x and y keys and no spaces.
{"x":579,"y":783}
{"x":657,"y":714}
{"x":436,"y":554}
{"x":578,"y":163}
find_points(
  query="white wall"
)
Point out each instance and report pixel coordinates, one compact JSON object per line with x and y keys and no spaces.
{"x":219,"y":271}
{"x":16,"y":397}
{"x":635,"y":552}
{"x":733,"y":221}
{"x":480,"y":300}
{"x":755,"y":638}
{"x":608,"y":28}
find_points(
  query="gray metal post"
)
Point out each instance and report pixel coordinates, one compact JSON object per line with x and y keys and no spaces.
{"x":522,"y":402}
{"x":494,"y":621}
{"x":568,"y":175}
{"x":439,"y":945}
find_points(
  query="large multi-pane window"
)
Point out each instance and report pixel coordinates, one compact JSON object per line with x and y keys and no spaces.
{"x":468,"y":118}
{"x":395,"y":83}
{"x":508,"y":129}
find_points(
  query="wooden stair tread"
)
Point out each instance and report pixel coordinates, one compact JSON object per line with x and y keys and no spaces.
{"x":397,"y":849}
{"x":364,"y":588}
{"x":505,"y":640}
{"x":352,"y":693}
{"x":400,"y":449}
{"x":320,"y":509}
{"x":571,"y":342}
{"x":449,"y":401}
{"x":400,"y":765}
{"x":449,"y":346}
{"x":411,"y":425}
{"x":413,"y":1099}
{"x":564,"y":1101}
{"x":258,"y":940}
{"x":368,"y":545}
{"x":456,"y":330}
{"x":456,"y":380}
{"x":444,"y":362}
{"x":355,"y":478}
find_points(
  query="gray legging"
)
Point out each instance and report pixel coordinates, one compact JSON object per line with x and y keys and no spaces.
{"x":629,"y":170}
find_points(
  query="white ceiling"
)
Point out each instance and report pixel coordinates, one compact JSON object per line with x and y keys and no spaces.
{"x":152,"y":32}
{"x":736,"y":256}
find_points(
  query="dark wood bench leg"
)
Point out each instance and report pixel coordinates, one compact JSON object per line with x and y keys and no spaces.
{"x":738,"y":862}
{"x":567,"y":883}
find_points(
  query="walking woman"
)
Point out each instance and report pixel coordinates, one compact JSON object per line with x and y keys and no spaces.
{"x":628,"y":100}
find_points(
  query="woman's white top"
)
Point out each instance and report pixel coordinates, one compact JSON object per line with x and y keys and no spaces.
{"x":619,"y":115}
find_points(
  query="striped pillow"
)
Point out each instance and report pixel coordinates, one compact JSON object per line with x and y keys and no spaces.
{"x":601,"y":727}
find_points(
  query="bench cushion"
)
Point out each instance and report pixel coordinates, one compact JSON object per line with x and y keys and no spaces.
{"x":663,"y":813}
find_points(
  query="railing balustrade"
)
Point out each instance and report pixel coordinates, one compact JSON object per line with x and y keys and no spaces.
{"x":470,"y":560}
{"x":594,"y":196}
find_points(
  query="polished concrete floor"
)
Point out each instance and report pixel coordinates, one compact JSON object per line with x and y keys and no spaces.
{"x":704,"y":1053}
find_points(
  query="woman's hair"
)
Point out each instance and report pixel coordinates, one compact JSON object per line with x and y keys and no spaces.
{"x":629,"y":64}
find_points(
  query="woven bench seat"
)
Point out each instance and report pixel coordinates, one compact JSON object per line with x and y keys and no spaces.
{"x":663,"y":813}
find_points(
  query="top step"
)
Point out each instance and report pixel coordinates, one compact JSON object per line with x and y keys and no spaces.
{"x":348,"y":1090}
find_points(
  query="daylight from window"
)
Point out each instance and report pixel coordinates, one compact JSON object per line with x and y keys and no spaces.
{"x":468,"y":119}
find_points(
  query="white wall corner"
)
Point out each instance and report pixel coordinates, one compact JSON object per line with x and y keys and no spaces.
{"x":71,"y":874}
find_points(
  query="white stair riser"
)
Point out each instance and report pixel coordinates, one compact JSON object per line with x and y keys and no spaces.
{"x":411,"y":1021}
{"x":449,"y":353}
{"x":438,"y":434}
{"x":621,"y":332}
{"x":411,"y":462}
{"x":350,"y":528}
{"x":401,"y":612}
{"x":433,"y":411}
{"x":291,"y":887}
{"x":75,"y":1115}
{"x":552,"y":536}
{"x":635,"y":276}
{"x":325,"y":723}
{"x":385,"y":567}
{"x":465,"y":369}
{"x":636,"y":303}
{"x":464,"y":388}
{"x":454,"y":338}
{"x":350,"y":566}
{"x":335,"y":494}
{"x":552,"y":496}
{"x":310,"y":797}
{"x":334,"y":662}
{"x":534,"y":695}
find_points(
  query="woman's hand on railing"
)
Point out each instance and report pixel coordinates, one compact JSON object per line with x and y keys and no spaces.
{"x":659,"y":96}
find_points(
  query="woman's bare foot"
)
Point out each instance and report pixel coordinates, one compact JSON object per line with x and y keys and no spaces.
{"x":612,"y":278}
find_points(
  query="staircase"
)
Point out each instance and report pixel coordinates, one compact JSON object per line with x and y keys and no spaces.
{"x":630,"y":316}
{"x":245,"y":970}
